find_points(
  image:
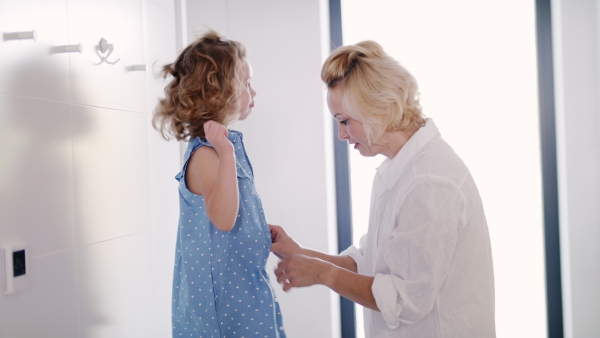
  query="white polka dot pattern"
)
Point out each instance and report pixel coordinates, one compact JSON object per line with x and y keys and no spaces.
{"x":220,"y":286}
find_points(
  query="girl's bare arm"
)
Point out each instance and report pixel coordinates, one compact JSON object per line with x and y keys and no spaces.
{"x":212,"y":173}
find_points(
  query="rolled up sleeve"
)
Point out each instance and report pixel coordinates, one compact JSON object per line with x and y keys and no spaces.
{"x":386,"y":297}
{"x":357,"y":254}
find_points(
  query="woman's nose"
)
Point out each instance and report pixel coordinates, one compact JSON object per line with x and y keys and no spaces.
{"x":342,"y":134}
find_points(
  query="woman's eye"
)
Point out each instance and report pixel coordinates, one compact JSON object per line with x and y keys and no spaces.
{"x":344,"y":122}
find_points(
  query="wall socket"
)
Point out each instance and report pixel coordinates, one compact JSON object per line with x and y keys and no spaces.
{"x":16,"y":267}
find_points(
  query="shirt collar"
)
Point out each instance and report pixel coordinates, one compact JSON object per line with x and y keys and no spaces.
{"x":390,"y":170}
{"x":234,"y":135}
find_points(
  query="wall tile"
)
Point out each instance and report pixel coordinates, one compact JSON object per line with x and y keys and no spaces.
{"x":164,"y":164}
{"x":115,"y":291}
{"x":97,"y":83}
{"x":49,"y":308}
{"x":110,"y":159}
{"x":36,"y":175}
{"x":160,"y":49}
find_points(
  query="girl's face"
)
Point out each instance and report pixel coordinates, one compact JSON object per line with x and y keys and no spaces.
{"x":246,"y":99}
{"x":349,"y":128}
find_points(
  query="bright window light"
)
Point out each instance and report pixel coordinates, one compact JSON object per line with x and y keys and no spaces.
{"x":475,"y":62}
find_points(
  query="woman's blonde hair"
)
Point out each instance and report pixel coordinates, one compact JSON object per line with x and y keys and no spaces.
{"x":204,"y":87}
{"x":376,"y":89}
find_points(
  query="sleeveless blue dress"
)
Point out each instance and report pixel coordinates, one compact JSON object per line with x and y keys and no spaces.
{"x":220,"y":285}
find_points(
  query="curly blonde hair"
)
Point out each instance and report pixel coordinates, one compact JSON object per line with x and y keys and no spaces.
{"x":205,"y":87}
{"x":376,"y":89}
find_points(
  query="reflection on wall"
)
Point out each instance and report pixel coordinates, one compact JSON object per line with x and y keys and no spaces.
{"x":84,"y":180}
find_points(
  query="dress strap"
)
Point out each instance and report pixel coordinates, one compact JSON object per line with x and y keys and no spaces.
{"x":192,"y":146}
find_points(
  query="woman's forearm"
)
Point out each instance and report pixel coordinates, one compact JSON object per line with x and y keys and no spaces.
{"x":310,"y":267}
{"x":351,"y":285}
{"x":345,"y":262}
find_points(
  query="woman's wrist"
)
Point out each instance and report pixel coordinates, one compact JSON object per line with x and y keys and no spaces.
{"x":309,"y":253}
{"x":327,"y":274}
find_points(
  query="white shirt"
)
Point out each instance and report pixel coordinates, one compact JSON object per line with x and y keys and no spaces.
{"x":427,"y":246}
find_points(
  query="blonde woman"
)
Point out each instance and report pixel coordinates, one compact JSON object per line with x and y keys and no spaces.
{"x":424,"y":268}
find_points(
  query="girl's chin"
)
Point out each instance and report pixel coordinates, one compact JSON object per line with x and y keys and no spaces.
{"x":245,"y":115}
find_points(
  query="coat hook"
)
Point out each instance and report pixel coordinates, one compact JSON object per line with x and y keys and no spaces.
{"x":30,"y":35}
{"x":78,"y":48}
{"x":137,"y":68}
{"x":105,"y":47}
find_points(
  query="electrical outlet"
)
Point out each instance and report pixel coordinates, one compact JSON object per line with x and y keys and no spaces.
{"x":16,"y":268}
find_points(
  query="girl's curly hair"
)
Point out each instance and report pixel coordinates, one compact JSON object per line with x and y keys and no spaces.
{"x":204,"y":87}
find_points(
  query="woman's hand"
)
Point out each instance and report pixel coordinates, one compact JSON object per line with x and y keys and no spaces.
{"x":283,"y":245}
{"x":216,"y":134}
{"x":300,"y":271}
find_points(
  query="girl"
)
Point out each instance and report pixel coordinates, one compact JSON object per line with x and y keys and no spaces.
{"x":220,"y":286}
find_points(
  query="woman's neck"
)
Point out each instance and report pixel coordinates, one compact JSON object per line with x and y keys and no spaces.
{"x":394,"y":141}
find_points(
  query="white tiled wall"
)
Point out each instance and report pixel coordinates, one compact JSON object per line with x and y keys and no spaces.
{"x":84,"y":179}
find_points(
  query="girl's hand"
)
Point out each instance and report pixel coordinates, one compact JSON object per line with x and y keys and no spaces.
{"x":283,"y":245}
{"x":216,"y":134}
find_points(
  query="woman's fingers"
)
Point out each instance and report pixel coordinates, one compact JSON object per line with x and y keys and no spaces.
{"x":297,"y":271}
{"x":287,"y":286}
{"x":273,"y":227}
{"x":277,"y":247}
{"x":282,"y":244}
{"x":285,"y":278}
{"x":282,"y":272}
{"x":276,"y":232}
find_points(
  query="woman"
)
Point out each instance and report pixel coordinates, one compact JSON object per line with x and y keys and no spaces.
{"x":424,"y":268}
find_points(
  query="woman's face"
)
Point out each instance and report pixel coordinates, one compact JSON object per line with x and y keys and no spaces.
{"x":349,"y":129}
{"x":246,"y":100}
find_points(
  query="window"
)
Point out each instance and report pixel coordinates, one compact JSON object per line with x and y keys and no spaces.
{"x":476,"y":65}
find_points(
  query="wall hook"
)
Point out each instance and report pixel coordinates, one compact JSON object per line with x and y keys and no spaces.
{"x":78,"y":48}
{"x":30,"y":35}
{"x":106,"y":47}
{"x":137,"y":68}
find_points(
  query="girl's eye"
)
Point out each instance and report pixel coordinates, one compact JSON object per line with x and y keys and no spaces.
{"x":344,"y":122}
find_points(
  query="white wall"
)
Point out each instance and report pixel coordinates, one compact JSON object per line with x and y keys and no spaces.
{"x":84,"y":179}
{"x":577,"y":88}
{"x":288,"y":136}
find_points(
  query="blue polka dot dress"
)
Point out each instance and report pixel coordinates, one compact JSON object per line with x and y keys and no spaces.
{"x":220,"y":285}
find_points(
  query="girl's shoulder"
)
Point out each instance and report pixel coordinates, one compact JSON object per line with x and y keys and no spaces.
{"x":193,"y":145}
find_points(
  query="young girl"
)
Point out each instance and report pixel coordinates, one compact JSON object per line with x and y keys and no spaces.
{"x":220,"y":286}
